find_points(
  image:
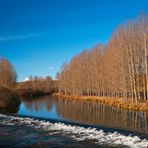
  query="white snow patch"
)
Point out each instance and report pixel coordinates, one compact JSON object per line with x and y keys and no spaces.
{"x":26,"y":79}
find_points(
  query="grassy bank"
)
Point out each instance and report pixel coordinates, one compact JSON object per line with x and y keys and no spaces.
{"x":108,"y":101}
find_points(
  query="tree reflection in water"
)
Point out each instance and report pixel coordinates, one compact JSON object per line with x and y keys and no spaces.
{"x":96,"y":113}
{"x":38,"y":103}
{"x":89,"y":112}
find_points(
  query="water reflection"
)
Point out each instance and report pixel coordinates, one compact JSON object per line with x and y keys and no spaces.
{"x":39,"y":107}
{"x":85,"y":112}
{"x":96,"y":113}
{"x":38,"y":103}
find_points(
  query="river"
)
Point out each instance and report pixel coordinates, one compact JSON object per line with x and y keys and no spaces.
{"x":50,"y":121}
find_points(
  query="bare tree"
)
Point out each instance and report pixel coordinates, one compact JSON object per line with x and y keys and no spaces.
{"x":117,"y":70}
{"x":7,"y":73}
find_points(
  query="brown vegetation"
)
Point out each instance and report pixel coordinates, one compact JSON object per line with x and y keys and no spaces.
{"x":7,"y":74}
{"x":8,"y":99}
{"x":36,"y":86}
{"x":115,"y":70}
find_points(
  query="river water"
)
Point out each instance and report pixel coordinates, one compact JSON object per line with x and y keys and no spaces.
{"x":84,"y":112}
{"x":50,"y":121}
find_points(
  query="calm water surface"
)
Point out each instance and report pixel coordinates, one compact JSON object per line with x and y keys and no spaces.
{"x":84,"y":112}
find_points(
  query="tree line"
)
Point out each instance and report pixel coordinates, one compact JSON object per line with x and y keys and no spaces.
{"x":117,"y":69}
{"x":36,"y":86}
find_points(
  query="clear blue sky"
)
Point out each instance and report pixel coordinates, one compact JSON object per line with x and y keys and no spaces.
{"x":37,"y":36}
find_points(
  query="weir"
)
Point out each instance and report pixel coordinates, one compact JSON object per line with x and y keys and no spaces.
{"x":96,"y":135}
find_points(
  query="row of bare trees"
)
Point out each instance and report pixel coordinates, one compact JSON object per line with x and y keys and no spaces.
{"x":36,"y":85}
{"x":7,"y":73}
{"x":117,"y":69}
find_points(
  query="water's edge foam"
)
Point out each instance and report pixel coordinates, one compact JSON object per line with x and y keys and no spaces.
{"x":79,"y":133}
{"x":141,"y":134}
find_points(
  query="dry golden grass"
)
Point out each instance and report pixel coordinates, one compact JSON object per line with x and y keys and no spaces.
{"x":116,"y":102}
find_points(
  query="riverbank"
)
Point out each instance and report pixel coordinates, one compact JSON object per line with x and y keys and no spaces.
{"x":108,"y":101}
{"x":9,"y":100}
{"x":31,"y":93}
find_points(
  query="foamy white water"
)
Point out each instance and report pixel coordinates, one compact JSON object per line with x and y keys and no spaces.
{"x":78,"y":133}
